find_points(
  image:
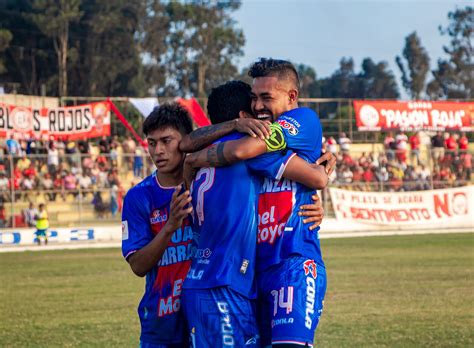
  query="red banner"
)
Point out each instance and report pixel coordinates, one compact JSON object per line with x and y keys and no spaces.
{"x":75,"y":122}
{"x":376,"y":115}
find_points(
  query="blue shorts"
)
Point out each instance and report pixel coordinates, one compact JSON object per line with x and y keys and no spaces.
{"x":290,"y":301}
{"x":41,"y":233}
{"x":220,"y":317}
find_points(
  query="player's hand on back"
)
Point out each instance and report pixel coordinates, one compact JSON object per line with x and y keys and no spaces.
{"x":253,"y":127}
{"x":328,"y":160}
{"x":180,"y":207}
{"x":313,"y":213}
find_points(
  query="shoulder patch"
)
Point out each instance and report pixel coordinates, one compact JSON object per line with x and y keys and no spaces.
{"x":276,"y":141}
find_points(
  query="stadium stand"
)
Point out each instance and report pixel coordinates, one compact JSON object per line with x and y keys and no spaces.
{"x":84,"y":181}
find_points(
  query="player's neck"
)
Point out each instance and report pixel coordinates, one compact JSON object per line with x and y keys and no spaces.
{"x":169,"y":179}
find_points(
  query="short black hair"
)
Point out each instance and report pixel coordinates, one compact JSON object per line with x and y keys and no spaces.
{"x":282,"y":69}
{"x":227,"y":100}
{"x":168,"y":115}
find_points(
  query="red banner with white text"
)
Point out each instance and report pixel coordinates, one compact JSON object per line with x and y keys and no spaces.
{"x":438,"y":207}
{"x":376,"y":115}
{"x":74,"y":122}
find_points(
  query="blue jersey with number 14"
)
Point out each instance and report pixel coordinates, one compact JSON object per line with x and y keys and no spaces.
{"x":225,"y":222}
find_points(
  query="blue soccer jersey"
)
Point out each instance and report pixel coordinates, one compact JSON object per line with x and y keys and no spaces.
{"x":281,"y":232}
{"x":225,"y":222}
{"x":146,"y":210}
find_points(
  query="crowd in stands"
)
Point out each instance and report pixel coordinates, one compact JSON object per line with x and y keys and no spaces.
{"x":94,"y":170}
{"x":82,"y":169}
{"x":400,"y":166}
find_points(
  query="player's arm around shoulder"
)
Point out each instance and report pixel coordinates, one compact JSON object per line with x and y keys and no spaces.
{"x":230,"y":152}
{"x":205,"y":136}
{"x":144,"y":259}
{"x":311,"y":175}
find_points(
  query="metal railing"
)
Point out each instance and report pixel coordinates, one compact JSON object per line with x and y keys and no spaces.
{"x":111,"y":175}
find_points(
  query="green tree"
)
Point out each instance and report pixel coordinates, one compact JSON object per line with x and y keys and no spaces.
{"x":53,"y":18}
{"x":415,"y":67}
{"x":5,"y":38}
{"x":202,"y":45}
{"x":375,"y":81}
{"x":341,"y":84}
{"x":454,"y":77}
{"x":309,"y":84}
{"x":106,"y":58}
{"x":29,"y":58}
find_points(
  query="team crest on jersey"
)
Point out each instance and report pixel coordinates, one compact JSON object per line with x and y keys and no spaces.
{"x":158,"y":216}
{"x":309,"y":267}
{"x":292,"y":129}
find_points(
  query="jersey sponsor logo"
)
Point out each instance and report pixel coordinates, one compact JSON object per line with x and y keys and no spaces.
{"x":292,"y":129}
{"x":274,"y":209}
{"x":172,"y":303}
{"x":272,"y":186}
{"x":282,"y":321}
{"x":158,"y":216}
{"x":227,"y":331}
{"x":309,"y":267}
{"x":310,"y":299}
{"x":203,"y":253}
{"x":194,"y":274}
{"x":276,"y":141}
{"x":176,"y":253}
{"x":202,"y":256}
{"x":125,"y":230}
{"x":268,"y":228}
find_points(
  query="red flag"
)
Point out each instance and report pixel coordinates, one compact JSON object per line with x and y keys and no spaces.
{"x":195,"y":110}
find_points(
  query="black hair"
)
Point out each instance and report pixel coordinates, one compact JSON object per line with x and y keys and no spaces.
{"x":168,"y":115}
{"x":227,"y":100}
{"x":282,"y":69}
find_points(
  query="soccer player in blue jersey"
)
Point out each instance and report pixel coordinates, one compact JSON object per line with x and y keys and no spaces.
{"x":218,"y":291}
{"x":156,"y":231}
{"x":290,"y":270}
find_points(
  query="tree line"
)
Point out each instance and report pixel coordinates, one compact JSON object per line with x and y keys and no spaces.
{"x":184,"y":48}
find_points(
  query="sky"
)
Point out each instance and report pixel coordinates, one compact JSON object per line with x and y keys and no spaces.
{"x":319,"y":33}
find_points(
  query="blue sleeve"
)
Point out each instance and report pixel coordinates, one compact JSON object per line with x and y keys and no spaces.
{"x":136,"y":230}
{"x":271,"y":164}
{"x":303,"y":132}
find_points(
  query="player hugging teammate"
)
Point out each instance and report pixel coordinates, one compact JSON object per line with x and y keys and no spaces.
{"x":250,"y":251}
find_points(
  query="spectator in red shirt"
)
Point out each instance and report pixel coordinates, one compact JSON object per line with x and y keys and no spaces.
{"x":451,"y":143}
{"x":466,"y":159}
{"x":30,"y":171}
{"x":415,"y":148}
{"x":463,"y":143}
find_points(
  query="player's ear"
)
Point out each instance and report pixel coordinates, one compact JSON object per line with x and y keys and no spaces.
{"x":292,"y":96}
{"x":244,"y":114}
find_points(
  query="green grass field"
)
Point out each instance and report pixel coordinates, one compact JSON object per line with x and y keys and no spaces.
{"x":404,"y":291}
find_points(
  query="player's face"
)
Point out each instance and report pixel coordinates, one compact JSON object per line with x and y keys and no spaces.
{"x":270,"y":98}
{"x":163,"y":146}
